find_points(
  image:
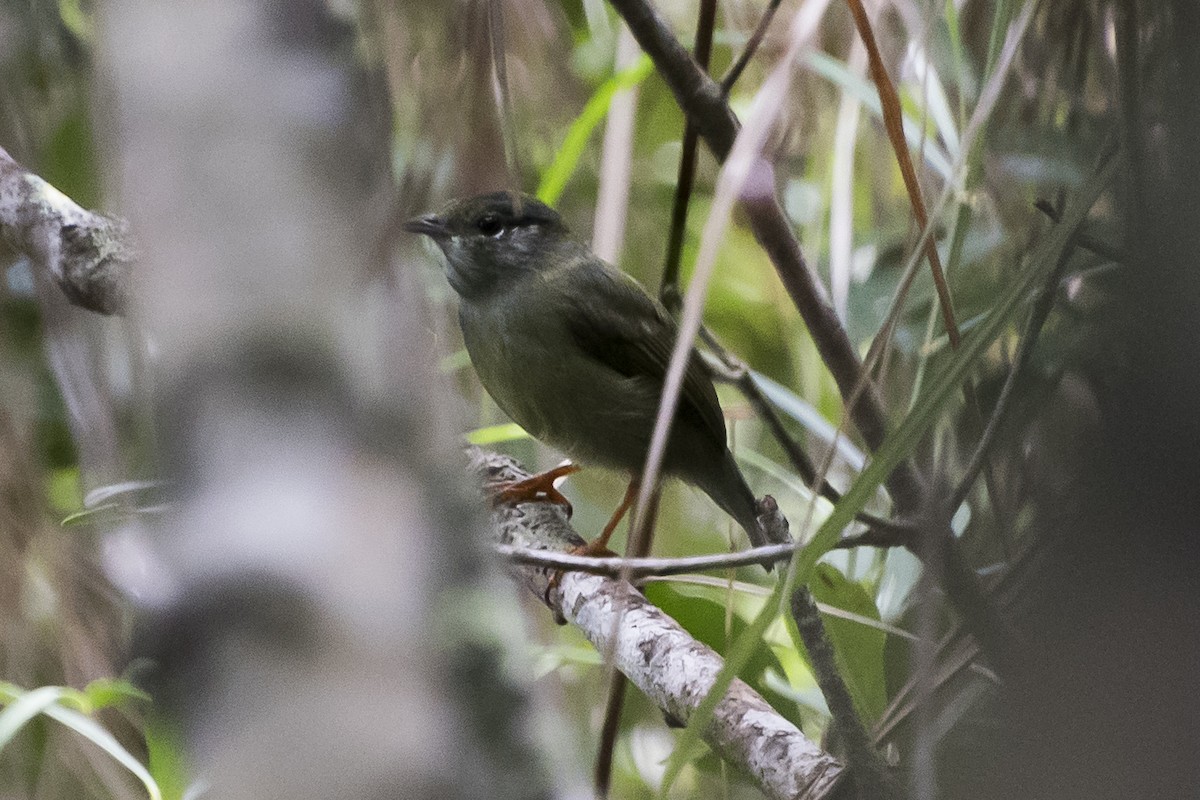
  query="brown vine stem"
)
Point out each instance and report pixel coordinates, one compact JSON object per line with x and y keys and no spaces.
{"x":893,"y":121}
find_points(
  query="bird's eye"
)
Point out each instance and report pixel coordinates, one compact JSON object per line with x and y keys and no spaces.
{"x":490,"y":225}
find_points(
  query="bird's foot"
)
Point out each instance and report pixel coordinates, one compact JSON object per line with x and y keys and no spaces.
{"x":598,"y":547}
{"x":594,"y":549}
{"x":535,"y":488}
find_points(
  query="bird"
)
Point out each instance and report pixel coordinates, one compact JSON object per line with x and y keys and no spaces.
{"x":576,"y":352}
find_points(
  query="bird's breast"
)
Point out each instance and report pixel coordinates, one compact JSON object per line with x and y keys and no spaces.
{"x":533,"y":368}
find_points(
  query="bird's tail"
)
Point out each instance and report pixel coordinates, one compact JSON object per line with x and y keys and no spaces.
{"x":728,"y":490}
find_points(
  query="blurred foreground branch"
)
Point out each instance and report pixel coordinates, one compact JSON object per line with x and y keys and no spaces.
{"x":656,"y":654}
{"x":298,"y":604}
{"x":88,"y":254}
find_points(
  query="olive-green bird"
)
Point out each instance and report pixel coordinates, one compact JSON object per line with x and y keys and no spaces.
{"x":576,"y":352}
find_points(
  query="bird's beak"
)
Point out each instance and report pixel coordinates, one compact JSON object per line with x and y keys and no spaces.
{"x":431,"y":225}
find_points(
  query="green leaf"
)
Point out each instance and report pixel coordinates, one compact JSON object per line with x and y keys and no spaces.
{"x":109,"y":692}
{"x":808,"y":416}
{"x":554,"y":180}
{"x":94,"y":515}
{"x":118,"y":502}
{"x":551,"y":658}
{"x":494,"y":434}
{"x":75,"y":19}
{"x":701,"y":611}
{"x":91,"y":730}
{"x":736,"y":659}
{"x":24,"y":706}
{"x":166,"y":755}
{"x":62,"y":489}
{"x":858,"y":648}
{"x":459,"y":359}
{"x":49,"y":700}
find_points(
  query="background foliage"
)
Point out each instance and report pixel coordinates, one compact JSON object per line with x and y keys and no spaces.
{"x":983,"y":163}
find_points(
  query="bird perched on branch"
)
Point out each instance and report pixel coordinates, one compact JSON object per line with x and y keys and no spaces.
{"x":576,"y":352}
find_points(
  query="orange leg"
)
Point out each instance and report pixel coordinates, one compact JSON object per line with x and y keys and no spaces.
{"x":599,"y":545}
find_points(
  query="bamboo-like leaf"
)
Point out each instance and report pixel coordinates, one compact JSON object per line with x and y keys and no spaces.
{"x":25,"y":705}
{"x":838,"y":73}
{"x":494,"y":434}
{"x":554,"y":180}
{"x":90,"y":729}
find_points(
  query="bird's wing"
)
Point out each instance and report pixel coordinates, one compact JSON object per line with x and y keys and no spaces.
{"x":619,"y":324}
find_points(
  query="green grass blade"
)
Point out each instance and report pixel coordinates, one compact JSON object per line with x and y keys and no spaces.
{"x":495,"y":434}
{"x":92,"y":730}
{"x":555,"y":178}
{"x":739,"y":654}
{"x":23,"y":706}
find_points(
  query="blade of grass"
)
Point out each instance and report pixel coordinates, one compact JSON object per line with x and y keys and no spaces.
{"x":841,"y":189}
{"x":25,"y":705}
{"x":91,"y":730}
{"x":554,"y":180}
{"x":494,"y":434}
{"x":810,"y":419}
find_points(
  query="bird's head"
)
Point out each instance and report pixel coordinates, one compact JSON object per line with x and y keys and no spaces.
{"x":492,"y":239}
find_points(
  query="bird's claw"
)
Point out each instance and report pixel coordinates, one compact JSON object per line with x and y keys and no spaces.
{"x":535,"y":488}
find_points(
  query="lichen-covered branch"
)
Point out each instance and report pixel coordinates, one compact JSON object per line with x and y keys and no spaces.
{"x":657,"y":654}
{"x":88,"y":254}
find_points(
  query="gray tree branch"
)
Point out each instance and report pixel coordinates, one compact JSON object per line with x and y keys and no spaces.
{"x":88,"y":254}
{"x":656,"y":653}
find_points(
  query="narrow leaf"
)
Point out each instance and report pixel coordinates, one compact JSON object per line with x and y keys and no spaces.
{"x":554,"y":180}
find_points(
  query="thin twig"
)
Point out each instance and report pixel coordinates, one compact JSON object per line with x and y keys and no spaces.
{"x":735,"y":71}
{"x":867,"y":769}
{"x":1082,"y":239}
{"x":636,"y":568}
{"x":952,"y":657}
{"x":668,"y":290}
{"x":738,"y":373}
{"x":893,"y":121}
{"x":602,"y":773}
